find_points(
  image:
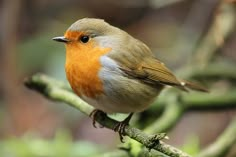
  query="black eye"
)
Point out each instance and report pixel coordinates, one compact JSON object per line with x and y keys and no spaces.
{"x":84,"y":38}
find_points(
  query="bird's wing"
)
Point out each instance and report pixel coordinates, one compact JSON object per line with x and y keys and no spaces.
{"x":137,"y":61}
{"x":152,"y":71}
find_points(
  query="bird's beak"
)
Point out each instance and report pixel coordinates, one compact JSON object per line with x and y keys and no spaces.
{"x":61,"y":39}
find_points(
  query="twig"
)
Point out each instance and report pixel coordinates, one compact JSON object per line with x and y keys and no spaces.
{"x":221,"y":28}
{"x":161,"y":4}
{"x":223,"y":144}
{"x":172,"y":113}
{"x":49,"y":88}
{"x":214,"y":70}
{"x":224,"y":70}
{"x":201,"y":101}
{"x":193,"y":28}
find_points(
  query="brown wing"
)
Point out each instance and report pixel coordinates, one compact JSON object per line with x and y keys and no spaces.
{"x":152,"y":71}
{"x":137,"y":61}
{"x":157,"y":72}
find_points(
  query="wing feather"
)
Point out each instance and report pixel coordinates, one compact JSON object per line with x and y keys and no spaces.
{"x":152,"y":71}
{"x":158,"y":72}
{"x":137,"y":61}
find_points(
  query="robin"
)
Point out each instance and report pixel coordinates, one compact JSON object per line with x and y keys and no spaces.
{"x":113,"y":71}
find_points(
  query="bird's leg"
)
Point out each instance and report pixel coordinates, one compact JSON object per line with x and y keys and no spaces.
{"x":94,"y":114}
{"x":120,"y":127}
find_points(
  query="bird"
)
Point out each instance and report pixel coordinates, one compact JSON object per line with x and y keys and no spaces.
{"x":113,"y":71}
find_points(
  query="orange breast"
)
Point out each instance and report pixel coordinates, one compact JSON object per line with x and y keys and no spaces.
{"x":82,"y":67}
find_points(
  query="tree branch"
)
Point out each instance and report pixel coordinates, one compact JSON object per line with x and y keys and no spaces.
{"x":200,"y":101}
{"x":222,"y":26}
{"x":56,"y":91}
{"x":215,"y":70}
{"x":172,"y":113}
{"x":223,"y":144}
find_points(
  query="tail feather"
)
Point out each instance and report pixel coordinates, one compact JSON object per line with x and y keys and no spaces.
{"x":194,"y":86}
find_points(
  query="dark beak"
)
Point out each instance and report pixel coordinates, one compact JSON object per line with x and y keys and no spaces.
{"x":61,"y":39}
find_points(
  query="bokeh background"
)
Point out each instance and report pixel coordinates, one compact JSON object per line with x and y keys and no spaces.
{"x":173,"y":29}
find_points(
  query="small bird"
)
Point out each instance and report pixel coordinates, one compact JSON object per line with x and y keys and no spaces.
{"x":113,"y":71}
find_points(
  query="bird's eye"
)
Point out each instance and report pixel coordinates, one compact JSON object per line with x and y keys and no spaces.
{"x":84,"y":38}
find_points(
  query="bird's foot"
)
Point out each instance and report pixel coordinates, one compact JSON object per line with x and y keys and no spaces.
{"x":120,"y":127}
{"x":94,"y":114}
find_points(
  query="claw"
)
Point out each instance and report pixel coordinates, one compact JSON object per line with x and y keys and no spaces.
{"x":120,"y":127}
{"x":93,"y":115}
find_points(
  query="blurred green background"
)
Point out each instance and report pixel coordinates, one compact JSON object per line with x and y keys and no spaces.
{"x":30,"y":125}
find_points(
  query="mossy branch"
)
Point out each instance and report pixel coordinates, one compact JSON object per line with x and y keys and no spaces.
{"x":55,"y":90}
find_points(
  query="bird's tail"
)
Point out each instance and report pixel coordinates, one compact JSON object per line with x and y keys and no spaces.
{"x":185,"y":85}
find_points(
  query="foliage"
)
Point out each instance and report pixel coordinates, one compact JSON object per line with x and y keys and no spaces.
{"x":192,"y":145}
{"x":60,"y":146}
